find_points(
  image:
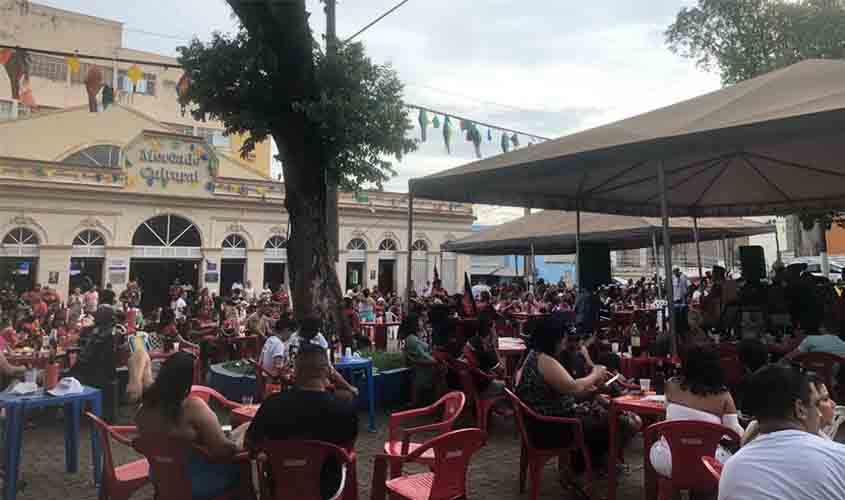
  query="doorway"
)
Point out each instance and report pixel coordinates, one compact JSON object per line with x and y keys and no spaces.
{"x":274,"y":275}
{"x":19,"y":272}
{"x":386,"y":276}
{"x":354,"y":275}
{"x":155,"y":276}
{"x":82,"y":269}
{"x":232,"y":271}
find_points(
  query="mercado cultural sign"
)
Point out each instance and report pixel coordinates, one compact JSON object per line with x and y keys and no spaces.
{"x":159,"y":162}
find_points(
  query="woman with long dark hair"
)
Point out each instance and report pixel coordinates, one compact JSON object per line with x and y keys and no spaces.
{"x":169,"y":412}
{"x":700,"y":393}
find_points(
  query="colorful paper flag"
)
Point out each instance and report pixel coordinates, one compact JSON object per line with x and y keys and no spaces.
{"x":447,"y":134}
{"x":135,"y":75}
{"x":423,"y":120}
{"x":435,"y":122}
{"x":506,"y":145}
{"x":73,"y":64}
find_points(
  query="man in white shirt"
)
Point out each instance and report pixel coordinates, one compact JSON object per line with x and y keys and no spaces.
{"x":178,"y":305}
{"x":789,"y":460}
{"x":275,"y":350}
{"x":309,"y":333}
{"x":249,"y":292}
{"x":680,"y":286}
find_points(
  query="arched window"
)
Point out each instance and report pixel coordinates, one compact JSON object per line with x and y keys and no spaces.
{"x":104,"y":155}
{"x":276,"y":242}
{"x":20,"y":242}
{"x":420,"y":246}
{"x":89,"y":243}
{"x":388,"y":245}
{"x":234,"y":241}
{"x":167,"y":236}
{"x":356,"y":244}
{"x":275,"y":250}
{"x":234,"y":247}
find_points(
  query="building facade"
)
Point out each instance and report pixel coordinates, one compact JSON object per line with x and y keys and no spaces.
{"x":116,"y":196}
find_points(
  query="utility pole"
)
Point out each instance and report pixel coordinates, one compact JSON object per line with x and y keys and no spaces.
{"x":332,"y":216}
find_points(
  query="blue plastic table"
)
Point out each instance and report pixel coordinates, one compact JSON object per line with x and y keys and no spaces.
{"x":16,"y":408}
{"x":346,"y":367}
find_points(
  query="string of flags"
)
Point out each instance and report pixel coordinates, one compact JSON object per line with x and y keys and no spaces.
{"x":471,"y":131}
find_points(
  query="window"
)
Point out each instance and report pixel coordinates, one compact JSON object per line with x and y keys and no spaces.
{"x":420,"y":246}
{"x":84,"y":68}
{"x":89,"y":238}
{"x":20,"y":237}
{"x":234,"y":241}
{"x":388,"y":245}
{"x":167,"y":231}
{"x":276,"y":243}
{"x":146,"y":85}
{"x":182,"y":129}
{"x":5,"y":111}
{"x":105,"y":155}
{"x":357,"y":244}
{"x":215,"y":137}
{"x":52,"y":68}
{"x":628,"y":258}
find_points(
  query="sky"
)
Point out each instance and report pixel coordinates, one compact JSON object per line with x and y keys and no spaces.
{"x":543,"y":67}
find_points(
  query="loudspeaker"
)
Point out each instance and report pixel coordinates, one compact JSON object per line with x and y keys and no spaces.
{"x":595,"y":265}
{"x":753,"y":263}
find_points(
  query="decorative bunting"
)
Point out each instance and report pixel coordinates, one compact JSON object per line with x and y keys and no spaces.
{"x":17,"y":67}
{"x":108,"y":97}
{"x":93,"y":84}
{"x":135,"y":75}
{"x":5,"y":55}
{"x":506,"y":144}
{"x":447,"y":134}
{"x":475,"y":137}
{"x":182,"y":91}
{"x":423,"y":120}
{"x":73,"y":64}
{"x":515,"y":140}
{"x":436,"y":122}
{"x":489,"y":135}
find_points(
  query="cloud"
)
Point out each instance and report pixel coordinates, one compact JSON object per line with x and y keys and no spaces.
{"x":548,"y":68}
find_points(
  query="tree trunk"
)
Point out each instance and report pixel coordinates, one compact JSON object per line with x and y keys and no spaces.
{"x":315,"y":287}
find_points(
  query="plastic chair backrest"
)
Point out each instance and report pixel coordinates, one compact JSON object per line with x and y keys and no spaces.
{"x":452,"y":454}
{"x":297,"y":466}
{"x":206,"y":393}
{"x":732,"y":367}
{"x":520,"y":411}
{"x":689,"y":440}
{"x":168,"y":460}
{"x":103,"y":434}
{"x":714,"y":467}
{"x":453,"y":404}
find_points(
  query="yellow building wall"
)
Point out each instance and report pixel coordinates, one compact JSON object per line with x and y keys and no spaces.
{"x":259,"y":160}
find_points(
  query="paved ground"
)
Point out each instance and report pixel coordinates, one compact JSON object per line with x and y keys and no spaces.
{"x":494,"y":473}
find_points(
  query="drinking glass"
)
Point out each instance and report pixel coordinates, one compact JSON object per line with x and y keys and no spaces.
{"x":247,"y":400}
{"x":645,"y":384}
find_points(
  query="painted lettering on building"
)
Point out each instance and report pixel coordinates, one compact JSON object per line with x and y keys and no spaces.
{"x":171,"y":158}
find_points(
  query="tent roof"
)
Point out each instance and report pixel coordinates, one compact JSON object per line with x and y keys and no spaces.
{"x":553,"y":233}
{"x":772,"y":144}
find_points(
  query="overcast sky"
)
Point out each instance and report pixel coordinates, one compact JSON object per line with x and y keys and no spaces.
{"x":548,"y":68}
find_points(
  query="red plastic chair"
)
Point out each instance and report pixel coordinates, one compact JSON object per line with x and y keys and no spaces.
{"x":296,"y":466}
{"x":824,"y":364}
{"x":689,"y":440}
{"x":121,"y":481}
{"x":399,"y":442}
{"x":207,"y":394}
{"x":468,"y":376}
{"x":169,"y":469}
{"x":533,"y":459}
{"x":447,"y":480}
{"x":714,"y":467}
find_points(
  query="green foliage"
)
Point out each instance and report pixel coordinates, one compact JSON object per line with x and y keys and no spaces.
{"x":746,"y":38}
{"x":384,"y":361}
{"x":350,"y":110}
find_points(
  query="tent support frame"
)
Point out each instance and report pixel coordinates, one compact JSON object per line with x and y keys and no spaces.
{"x":667,"y":256}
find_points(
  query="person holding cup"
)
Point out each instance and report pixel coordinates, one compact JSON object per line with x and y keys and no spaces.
{"x":700,"y":393}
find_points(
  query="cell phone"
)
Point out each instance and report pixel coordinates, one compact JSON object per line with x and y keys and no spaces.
{"x":613,"y":379}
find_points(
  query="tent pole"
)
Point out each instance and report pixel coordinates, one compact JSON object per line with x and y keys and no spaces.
{"x":408,"y":275}
{"x":697,"y":247}
{"x":578,"y":244}
{"x":533,"y":275}
{"x":725,"y":253}
{"x":777,"y":242}
{"x":667,"y":255}
{"x":656,"y":262}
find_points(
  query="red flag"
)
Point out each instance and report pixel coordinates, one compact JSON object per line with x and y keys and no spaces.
{"x":436,"y":274}
{"x":470,"y":311}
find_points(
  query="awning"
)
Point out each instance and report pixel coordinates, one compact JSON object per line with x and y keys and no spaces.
{"x":772,"y":144}
{"x":553,"y":233}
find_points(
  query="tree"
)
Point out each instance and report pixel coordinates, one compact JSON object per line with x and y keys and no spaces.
{"x":338,"y":119}
{"x":742,"y":39}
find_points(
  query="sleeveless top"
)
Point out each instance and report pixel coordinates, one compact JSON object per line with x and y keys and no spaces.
{"x":540,"y":396}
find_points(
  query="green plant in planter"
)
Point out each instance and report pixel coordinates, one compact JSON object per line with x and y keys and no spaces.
{"x":240,"y":367}
{"x":383,"y":361}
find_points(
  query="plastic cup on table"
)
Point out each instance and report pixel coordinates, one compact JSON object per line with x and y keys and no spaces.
{"x":645,"y":384}
{"x":348,"y":353}
{"x":31,"y":376}
{"x":246,"y":400}
{"x":176,"y":347}
{"x":614,"y":346}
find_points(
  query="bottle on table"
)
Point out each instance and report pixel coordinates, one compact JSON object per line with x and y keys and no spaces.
{"x":636,"y":344}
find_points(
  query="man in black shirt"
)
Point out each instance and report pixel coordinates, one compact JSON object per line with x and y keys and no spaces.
{"x":308,"y":412}
{"x":107,"y":296}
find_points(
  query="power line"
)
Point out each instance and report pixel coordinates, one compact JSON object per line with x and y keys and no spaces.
{"x":376,"y":20}
{"x":57,"y":53}
{"x":160,"y":35}
{"x":464,"y":96}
